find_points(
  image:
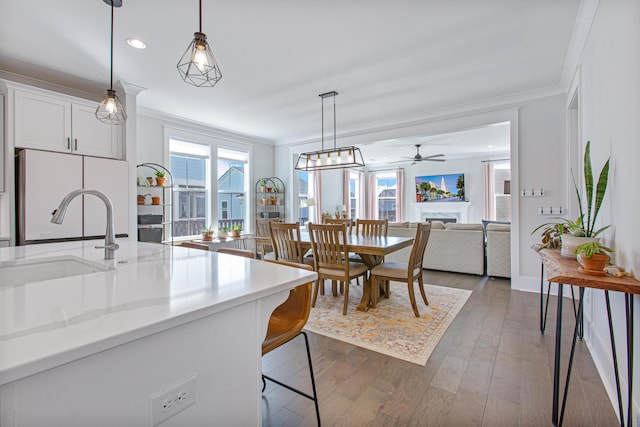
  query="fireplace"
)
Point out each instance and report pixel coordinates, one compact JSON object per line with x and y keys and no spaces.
{"x":444,"y":211}
{"x":428,"y":218}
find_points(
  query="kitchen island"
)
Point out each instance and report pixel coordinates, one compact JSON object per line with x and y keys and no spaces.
{"x":104,"y":347}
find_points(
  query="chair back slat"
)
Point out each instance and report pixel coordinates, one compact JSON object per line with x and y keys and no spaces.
{"x":285,"y":238}
{"x":262,"y":226}
{"x":346,"y":221}
{"x":419,"y":246}
{"x":372,"y":227}
{"x":329,"y":245}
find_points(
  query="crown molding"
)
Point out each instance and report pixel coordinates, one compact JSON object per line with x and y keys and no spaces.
{"x":20,"y":79}
{"x":203,"y":128}
{"x":584,"y":20}
{"x":505,"y":102}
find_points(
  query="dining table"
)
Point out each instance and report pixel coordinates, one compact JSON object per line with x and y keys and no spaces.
{"x":371,"y":249}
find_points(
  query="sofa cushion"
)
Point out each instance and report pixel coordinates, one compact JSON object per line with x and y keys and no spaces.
{"x":461,"y":226}
{"x":498,"y":227}
{"x":437,"y":225}
{"x":399,"y":224}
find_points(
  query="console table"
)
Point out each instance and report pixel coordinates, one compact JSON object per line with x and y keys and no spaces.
{"x":564,"y":271}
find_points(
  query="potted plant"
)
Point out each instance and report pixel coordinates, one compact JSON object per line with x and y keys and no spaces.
{"x":593,"y":257}
{"x":160,"y":176}
{"x":207,"y":234}
{"x":583,"y":229}
{"x":262,"y":184}
{"x":222,"y":233}
{"x":235,"y":231}
{"x":150,"y":180}
{"x":274,"y":200}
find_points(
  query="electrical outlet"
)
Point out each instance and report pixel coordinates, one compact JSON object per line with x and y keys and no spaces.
{"x":171,"y":400}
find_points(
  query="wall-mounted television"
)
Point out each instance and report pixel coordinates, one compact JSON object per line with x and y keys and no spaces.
{"x":440,"y":188}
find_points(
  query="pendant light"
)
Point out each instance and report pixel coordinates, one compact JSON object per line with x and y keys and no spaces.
{"x":197,"y":66}
{"x":110,"y":109}
{"x":331,"y":158}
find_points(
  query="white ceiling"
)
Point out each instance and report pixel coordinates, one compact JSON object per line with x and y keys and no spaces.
{"x":389,"y":60}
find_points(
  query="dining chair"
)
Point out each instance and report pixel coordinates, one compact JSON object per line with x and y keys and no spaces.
{"x":286,"y":323}
{"x":347,"y":221}
{"x":407,"y":272}
{"x":329,"y":245}
{"x":239,"y":252}
{"x":285,"y":240}
{"x":263,"y":236}
{"x":372,"y":227}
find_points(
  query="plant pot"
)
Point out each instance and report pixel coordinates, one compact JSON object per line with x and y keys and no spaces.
{"x":150,"y":180}
{"x":596,"y":262}
{"x":155,"y":200}
{"x":207,"y":236}
{"x":234,"y":233}
{"x":222,"y":235}
{"x":160,"y":181}
{"x":140,"y":199}
{"x":570,"y":243}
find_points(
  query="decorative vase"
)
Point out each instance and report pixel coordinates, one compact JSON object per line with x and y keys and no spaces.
{"x":570,"y":243}
{"x":160,"y":181}
{"x":595,"y":262}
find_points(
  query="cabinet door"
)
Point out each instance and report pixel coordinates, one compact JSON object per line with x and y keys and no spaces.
{"x":42,"y":122}
{"x":90,"y":136}
{"x":46,"y":178}
{"x":112,"y":178}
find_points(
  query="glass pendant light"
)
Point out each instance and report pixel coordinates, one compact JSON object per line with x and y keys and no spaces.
{"x":110,"y":109}
{"x":197,"y":66}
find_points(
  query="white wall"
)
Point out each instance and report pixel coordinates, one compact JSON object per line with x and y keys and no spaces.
{"x":609,"y":87}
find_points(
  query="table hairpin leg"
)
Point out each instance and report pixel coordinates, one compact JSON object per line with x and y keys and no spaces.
{"x":576,"y":333}
{"x":615,"y":358}
{"x":544,"y":306}
{"x":556,"y":361}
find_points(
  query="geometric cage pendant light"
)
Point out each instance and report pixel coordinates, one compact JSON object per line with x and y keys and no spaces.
{"x":197,"y":66}
{"x":110,"y":109}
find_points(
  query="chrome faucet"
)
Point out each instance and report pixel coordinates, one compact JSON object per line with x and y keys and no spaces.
{"x":110,"y":245}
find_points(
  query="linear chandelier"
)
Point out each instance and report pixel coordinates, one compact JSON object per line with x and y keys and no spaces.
{"x":331,"y":158}
{"x":110,"y":109}
{"x":197,"y":66}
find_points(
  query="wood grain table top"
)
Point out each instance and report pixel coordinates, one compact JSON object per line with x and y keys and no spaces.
{"x":564,"y":270}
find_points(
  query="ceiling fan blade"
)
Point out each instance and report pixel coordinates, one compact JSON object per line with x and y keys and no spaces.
{"x":432,"y":156}
{"x":434,"y":160}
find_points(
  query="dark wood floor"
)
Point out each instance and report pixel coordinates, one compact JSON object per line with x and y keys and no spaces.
{"x":491,"y":368}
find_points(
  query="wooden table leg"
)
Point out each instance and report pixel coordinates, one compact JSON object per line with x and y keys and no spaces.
{"x":371,"y":261}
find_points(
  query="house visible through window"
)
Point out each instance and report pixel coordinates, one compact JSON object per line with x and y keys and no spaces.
{"x":305,"y":192}
{"x":386,"y":191}
{"x":232,"y":188}
{"x":189,"y":165}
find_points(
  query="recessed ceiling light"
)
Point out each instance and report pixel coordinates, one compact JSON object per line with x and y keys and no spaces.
{"x":136,"y":43}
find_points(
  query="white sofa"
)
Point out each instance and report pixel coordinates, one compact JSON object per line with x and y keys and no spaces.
{"x":453,"y":247}
{"x":499,"y":250}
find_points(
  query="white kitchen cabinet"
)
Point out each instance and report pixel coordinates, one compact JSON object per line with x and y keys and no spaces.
{"x":44,"y":178}
{"x":48,"y":121}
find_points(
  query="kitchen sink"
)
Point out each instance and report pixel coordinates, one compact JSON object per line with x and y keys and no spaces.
{"x":20,"y":272}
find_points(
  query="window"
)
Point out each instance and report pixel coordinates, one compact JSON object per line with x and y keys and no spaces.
{"x":386,"y":196}
{"x":189,"y":165}
{"x":305,"y":192}
{"x":502,"y":173}
{"x":354,"y":194}
{"x":232,"y":188}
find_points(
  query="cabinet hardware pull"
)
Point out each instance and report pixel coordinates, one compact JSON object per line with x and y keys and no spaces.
{"x":68,"y":143}
{"x":75,"y":147}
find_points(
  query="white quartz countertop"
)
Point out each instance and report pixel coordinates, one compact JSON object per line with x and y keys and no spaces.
{"x":147,"y":289}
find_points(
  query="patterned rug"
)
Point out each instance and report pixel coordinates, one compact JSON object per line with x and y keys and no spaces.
{"x":391,"y":328}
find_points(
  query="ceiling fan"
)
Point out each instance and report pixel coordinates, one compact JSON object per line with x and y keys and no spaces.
{"x":420,"y":158}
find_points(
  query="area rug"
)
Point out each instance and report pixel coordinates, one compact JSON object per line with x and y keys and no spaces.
{"x":391,"y":328}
